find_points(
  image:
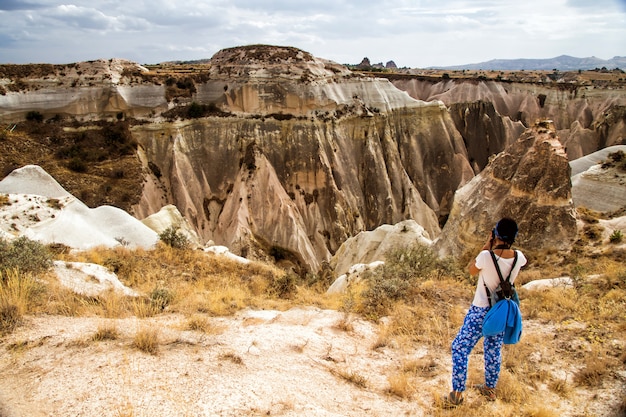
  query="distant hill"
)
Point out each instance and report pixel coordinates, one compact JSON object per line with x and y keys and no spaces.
{"x":561,"y":63}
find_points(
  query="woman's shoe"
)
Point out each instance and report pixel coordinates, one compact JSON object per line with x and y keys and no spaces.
{"x":453,"y":400}
{"x":489,"y":393}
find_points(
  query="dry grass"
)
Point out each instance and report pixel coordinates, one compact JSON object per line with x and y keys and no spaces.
{"x":17,"y":292}
{"x":106,"y":332}
{"x":583,"y":325}
{"x":400,"y":385}
{"x":434,"y":317}
{"x":345,"y":324}
{"x":425,"y":367}
{"x":147,"y":340}
{"x":232,"y":357}
{"x":560,"y":387}
{"x":183,"y":281}
{"x":539,"y":411}
{"x":594,"y":371}
{"x":201,"y":324}
{"x":351,"y":376}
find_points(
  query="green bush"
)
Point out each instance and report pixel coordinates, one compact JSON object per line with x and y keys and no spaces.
{"x":34,"y":116}
{"x":403,"y":270}
{"x":77,"y":165}
{"x":284,"y":286}
{"x":172,"y":237}
{"x":24,"y":254}
{"x":161,"y":298}
{"x":616,"y":236}
{"x":195,"y":110}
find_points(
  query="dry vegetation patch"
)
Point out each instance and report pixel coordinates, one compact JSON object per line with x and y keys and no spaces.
{"x":393,"y":344}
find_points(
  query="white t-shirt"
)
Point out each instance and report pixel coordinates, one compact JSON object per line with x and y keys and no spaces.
{"x":488,"y":274}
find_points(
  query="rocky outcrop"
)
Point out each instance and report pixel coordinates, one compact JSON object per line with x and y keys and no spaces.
{"x":484,"y":131}
{"x":372,"y":246}
{"x":87,"y":90}
{"x":528,"y":182}
{"x":39,"y":208}
{"x":263,"y":80}
{"x":170,"y":217}
{"x":600,"y":180}
{"x":296,"y":153}
{"x":300,"y":185}
{"x":302,"y":155}
{"x":586,"y":119}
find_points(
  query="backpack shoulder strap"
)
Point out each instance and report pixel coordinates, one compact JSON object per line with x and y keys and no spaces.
{"x":495,"y":262}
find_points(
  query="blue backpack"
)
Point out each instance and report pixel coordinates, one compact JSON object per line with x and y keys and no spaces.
{"x":505,"y":317}
{"x":504,"y":314}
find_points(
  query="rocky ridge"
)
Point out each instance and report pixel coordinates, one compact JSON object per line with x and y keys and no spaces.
{"x":295,"y":154}
{"x":586,"y":118}
{"x":530,"y":182}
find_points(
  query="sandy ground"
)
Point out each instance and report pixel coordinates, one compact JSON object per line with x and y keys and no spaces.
{"x":258,"y":363}
{"x":255,"y":363}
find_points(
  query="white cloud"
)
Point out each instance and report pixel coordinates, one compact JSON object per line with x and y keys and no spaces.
{"x":411,"y":32}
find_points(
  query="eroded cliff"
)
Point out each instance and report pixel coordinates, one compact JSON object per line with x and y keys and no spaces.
{"x":530,"y":182}
{"x":271,"y":150}
{"x":586,"y":118}
{"x":300,"y":185}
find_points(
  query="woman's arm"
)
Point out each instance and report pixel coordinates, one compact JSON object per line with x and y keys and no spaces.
{"x":473,"y":269}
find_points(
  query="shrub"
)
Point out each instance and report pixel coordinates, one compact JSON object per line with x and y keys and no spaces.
{"x":199,"y":324}
{"x":592,"y":231}
{"x":16,"y":294}
{"x":10,"y":317}
{"x":616,"y":236}
{"x":284,"y":286}
{"x":77,"y":165}
{"x":147,"y":340}
{"x":25,"y":255}
{"x":195,"y":110}
{"x":34,"y":116}
{"x":54,"y":203}
{"x":403,"y":270}
{"x":155,"y":169}
{"x":106,"y":332}
{"x":161,"y":298}
{"x":173,"y":238}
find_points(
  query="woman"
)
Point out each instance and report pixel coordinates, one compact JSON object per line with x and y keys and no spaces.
{"x":500,"y":241}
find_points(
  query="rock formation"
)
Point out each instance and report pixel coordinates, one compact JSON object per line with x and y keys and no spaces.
{"x":602,"y":186}
{"x":169,"y":216}
{"x":529,"y":182}
{"x":586,"y":119}
{"x":293,"y":154}
{"x":39,"y":208}
{"x":303,"y":184}
{"x":365,"y":64}
{"x":89,"y":90}
{"x":371,"y":246}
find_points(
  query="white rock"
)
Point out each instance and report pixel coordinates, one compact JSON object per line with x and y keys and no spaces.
{"x":354,"y":275}
{"x":368,"y":247}
{"x":542,"y":284}
{"x":42,"y":210}
{"x":89,"y":279}
{"x":224,"y":251}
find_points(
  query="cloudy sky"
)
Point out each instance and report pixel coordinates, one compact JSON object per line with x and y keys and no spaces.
{"x":412,"y":33}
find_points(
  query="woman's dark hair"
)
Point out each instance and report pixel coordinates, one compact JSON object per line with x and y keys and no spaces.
{"x":506,"y":230}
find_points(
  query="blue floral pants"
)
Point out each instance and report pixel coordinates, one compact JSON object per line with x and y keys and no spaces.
{"x":466,"y":339}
